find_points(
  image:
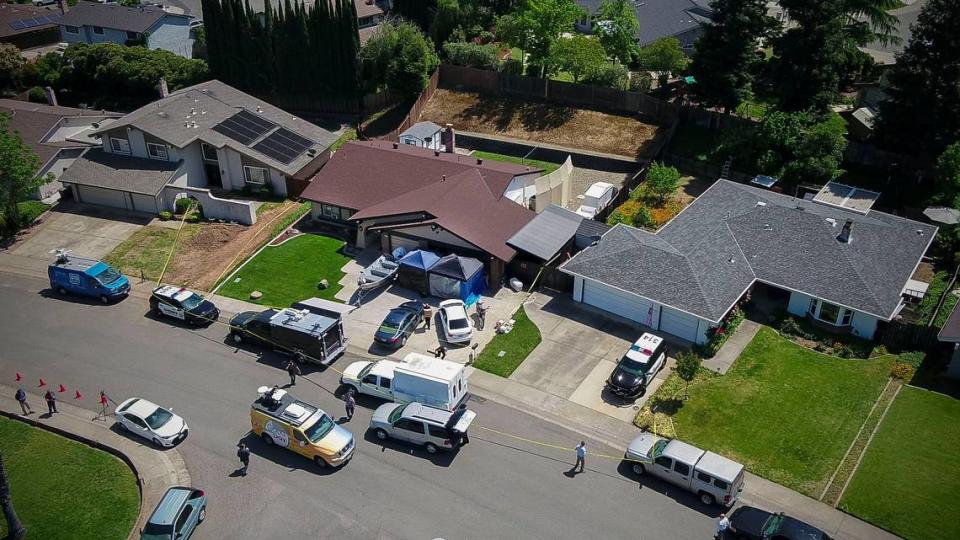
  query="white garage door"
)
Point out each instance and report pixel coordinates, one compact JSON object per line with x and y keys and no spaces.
{"x":678,"y":323}
{"x":144,"y":203}
{"x":619,"y":302}
{"x":106,"y":197}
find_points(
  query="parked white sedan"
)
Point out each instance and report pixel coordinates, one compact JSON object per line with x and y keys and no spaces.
{"x":457,"y":327}
{"x":150,"y":421}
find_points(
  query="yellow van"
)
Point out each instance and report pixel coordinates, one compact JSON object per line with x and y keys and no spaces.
{"x":280,"y":419}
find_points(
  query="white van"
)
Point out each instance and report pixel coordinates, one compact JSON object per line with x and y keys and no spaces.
{"x":597,"y":197}
{"x":420,"y":378}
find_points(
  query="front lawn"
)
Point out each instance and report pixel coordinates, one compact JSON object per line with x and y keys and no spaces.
{"x":516,"y":345}
{"x":147,"y":250}
{"x":547,"y":166}
{"x":909,"y":477}
{"x":291,"y":271}
{"x":63,"y":489}
{"x":786,"y":412}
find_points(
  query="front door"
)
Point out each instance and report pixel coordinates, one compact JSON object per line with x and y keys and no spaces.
{"x":213,"y":174}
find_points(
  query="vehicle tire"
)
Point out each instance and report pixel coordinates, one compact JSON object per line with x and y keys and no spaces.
{"x":638,"y":469}
{"x":155,"y":308}
{"x":431,"y":448}
{"x":62,"y":291}
{"x":320,"y":462}
{"x":267,"y":439}
{"x":104,"y":299}
{"x":403,"y":341}
{"x":381,"y":434}
{"x":707,"y":498}
{"x":122,"y":427}
{"x":237,"y":338}
{"x":202,"y":515}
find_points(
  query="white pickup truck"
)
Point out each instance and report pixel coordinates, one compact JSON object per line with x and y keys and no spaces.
{"x":420,"y":378}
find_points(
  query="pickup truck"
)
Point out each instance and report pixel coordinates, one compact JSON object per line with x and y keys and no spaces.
{"x":419,"y":378}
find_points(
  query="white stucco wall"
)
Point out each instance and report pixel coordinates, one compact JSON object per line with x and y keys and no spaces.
{"x":213,"y":207}
{"x":577,"y":289}
{"x":799,"y":303}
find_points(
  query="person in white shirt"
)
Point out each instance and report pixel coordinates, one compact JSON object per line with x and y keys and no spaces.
{"x":722,"y":525}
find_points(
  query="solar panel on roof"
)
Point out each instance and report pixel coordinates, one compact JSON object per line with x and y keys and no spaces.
{"x":283,"y":145}
{"x":17,"y":25}
{"x":244,"y":127}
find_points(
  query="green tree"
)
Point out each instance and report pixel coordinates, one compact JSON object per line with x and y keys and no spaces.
{"x":922,"y":113}
{"x":617,"y":28}
{"x":662,"y":180}
{"x":400,"y":58}
{"x":813,"y":57}
{"x":11,"y":64}
{"x":18,"y":176}
{"x":663,"y":56}
{"x":948,"y":175}
{"x":420,"y":12}
{"x":610,"y":75}
{"x":642,"y":219}
{"x":579,"y":55}
{"x":516,"y":31}
{"x":538,"y":24}
{"x":725,"y":62}
{"x":447,"y":18}
{"x":688,"y":364}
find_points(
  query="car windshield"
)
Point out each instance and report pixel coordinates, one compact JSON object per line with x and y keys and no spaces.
{"x":157,"y":529}
{"x":320,"y":428}
{"x":107,"y":276}
{"x":458,"y":324}
{"x":396,"y":414}
{"x":772,"y":525}
{"x":191,"y":301}
{"x":158,"y":418}
{"x":632,"y":366}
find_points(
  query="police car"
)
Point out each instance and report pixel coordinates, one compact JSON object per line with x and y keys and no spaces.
{"x":183,"y":304}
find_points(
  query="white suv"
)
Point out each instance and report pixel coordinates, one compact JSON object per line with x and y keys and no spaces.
{"x":432,"y":428}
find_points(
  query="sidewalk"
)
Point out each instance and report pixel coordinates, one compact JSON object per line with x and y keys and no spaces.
{"x":731,"y":350}
{"x":156,"y":470}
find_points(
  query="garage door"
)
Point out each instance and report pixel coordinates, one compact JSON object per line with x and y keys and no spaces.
{"x":619,"y":302}
{"x":678,"y":323}
{"x":106,"y":197}
{"x":406,"y":243}
{"x":144,"y":203}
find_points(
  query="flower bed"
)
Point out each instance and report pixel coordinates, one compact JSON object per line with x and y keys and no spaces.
{"x":720,"y":334}
{"x":803,"y":333}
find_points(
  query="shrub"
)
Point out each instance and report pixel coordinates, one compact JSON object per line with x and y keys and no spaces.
{"x":166,"y":215}
{"x":843,"y":351}
{"x":642,"y":218}
{"x":791,"y":326}
{"x":662,"y":180}
{"x":902,"y":371}
{"x":640,"y":82}
{"x":610,"y":75}
{"x":472,"y":55}
{"x":913,"y":359}
{"x":183,"y":204}
{"x":820,"y":347}
{"x":37,"y":95}
{"x":194,"y":217}
{"x":512,"y":67}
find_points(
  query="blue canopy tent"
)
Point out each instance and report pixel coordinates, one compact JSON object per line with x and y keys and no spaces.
{"x":454,"y":276}
{"x":412,"y":273}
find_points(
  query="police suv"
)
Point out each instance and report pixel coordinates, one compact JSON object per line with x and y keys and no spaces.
{"x":183,"y":304}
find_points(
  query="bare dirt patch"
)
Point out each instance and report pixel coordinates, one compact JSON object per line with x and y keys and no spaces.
{"x":544,"y":122}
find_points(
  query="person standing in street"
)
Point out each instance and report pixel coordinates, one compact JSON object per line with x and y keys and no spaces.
{"x":722,"y":525}
{"x":51,"y":402}
{"x":22,"y":400}
{"x":293,"y":370}
{"x":350,"y":404}
{"x":243,"y":453}
{"x":427,"y":315}
{"x":581,"y":456}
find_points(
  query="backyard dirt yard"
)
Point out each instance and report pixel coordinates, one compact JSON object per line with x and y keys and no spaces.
{"x":542,"y":122}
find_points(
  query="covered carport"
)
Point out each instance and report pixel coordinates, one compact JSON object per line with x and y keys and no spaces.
{"x":119,"y":181}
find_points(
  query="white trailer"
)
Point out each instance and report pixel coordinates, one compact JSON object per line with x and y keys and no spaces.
{"x":431,"y":381}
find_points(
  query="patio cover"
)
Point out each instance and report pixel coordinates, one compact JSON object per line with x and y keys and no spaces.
{"x":412,"y":273}
{"x":457,"y":277}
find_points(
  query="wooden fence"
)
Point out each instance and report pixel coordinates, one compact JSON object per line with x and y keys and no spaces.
{"x":901,"y":336}
{"x":414,"y":115}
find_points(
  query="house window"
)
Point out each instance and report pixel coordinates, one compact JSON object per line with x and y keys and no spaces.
{"x":830,"y":313}
{"x":98,"y":30}
{"x":365,"y":21}
{"x":157,"y":151}
{"x":133,"y":36}
{"x":119,"y":146}
{"x":255,"y":175}
{"x":209,"y":152}
{"x":330,"y":212}
{"x":71,"y":29}
{"x":846,"y":317}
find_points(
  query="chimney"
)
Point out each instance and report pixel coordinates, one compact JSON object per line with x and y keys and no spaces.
{"x":396,"y":145}
{"x":844,"y":236}
{"x":436,"y":153}
{"x":164,"y":92}
{"x":443,"y":178}
{"x":479,"y":161}
{"x":51,"y":96}
{"x":449,"y":139}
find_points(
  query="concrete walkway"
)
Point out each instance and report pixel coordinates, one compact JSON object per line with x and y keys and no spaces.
{"x":155,"y":469}
{"x":734,"y":345}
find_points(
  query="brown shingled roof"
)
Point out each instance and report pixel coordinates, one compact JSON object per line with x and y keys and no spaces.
{"x":367,"y":8}
{"x":34,"y":120}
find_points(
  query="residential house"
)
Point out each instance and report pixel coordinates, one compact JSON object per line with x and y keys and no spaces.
{"x":401,"y":195}
{"x":90,"y":22}
{"x":27,"y":26}
{"x":681,"y":19}
{"x":217,"y":137}
{"x":369,"y":15}
{"x":423,"y":134}
{"x":57,"y":135}
{"x":950,"y":333}
{"x":831,"y":259}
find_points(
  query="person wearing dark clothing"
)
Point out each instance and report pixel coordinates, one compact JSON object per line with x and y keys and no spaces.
{"x":441,"y":352}
{"x":427,"y":315}
{"x":293,"y":370}
{"x":243,"y":453}
{"x":51,"y":401}
{"x":481,"y":314}
{"x":350,"y":403}
{"x":22,"y":400}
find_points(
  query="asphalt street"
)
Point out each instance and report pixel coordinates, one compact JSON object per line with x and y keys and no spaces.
{"x":495,"y":487}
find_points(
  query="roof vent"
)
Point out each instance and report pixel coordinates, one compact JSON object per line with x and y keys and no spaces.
{"x":732,"y":260}
{"x":831,"y":221}
{"x":844,"y":236}
{"x":761,"y":203}
{"x":311,"y":152}
{"x":919,"y":232}
{"x":396,"y":145}
{"x":259,"y":109}
{"x":443,"y":178}
{"x":436,"y":153}
{"x":767,"y":227}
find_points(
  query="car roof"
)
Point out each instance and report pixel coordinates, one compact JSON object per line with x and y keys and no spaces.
{"x":682,"y":451}
{"x":169,"y":506}
{"x":430,"y":414}
{"x":397,"y":314}
{"x":141,"y":407}
{"x":749,"y":519}
{"x":720,"y":467}
{"x":384,"y":368}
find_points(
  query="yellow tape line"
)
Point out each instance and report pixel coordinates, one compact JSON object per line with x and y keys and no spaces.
{"x":174,"y":246}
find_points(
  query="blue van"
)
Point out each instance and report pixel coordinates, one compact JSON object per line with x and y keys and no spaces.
{"x":87,"y":277}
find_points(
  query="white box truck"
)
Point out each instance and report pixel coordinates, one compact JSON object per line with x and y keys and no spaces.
{"x":431,"y":381}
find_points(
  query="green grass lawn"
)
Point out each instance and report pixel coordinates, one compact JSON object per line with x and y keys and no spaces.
{"x":517,"y":344}
{"x":786,"y":412}
{"x":350,"y":134}
{"x":290,"y":272}
{"x":909,"y":476}
{"x":63,"y":489}
{"x":547,"y":166}
{"x":147,"y":250}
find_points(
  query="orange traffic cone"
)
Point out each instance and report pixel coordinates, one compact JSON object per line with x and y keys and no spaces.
{"x":42,"y":383}
{"x":62,"y":388}
{"x":78,"y":395}
{"x":19,"y":376}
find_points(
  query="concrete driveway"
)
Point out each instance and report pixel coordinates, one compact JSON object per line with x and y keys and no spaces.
{"x":86,"y":230}
{"x":581,"y":346}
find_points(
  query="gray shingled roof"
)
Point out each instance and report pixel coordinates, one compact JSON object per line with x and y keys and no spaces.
{"x":421,"y":130}
{"x":124,"y":173}
{"x":547,"y":233}
{"x":210,"y":103}
{"x":661,"y":18}
{"x":733,"y":234}
{"x":130,"y":19}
